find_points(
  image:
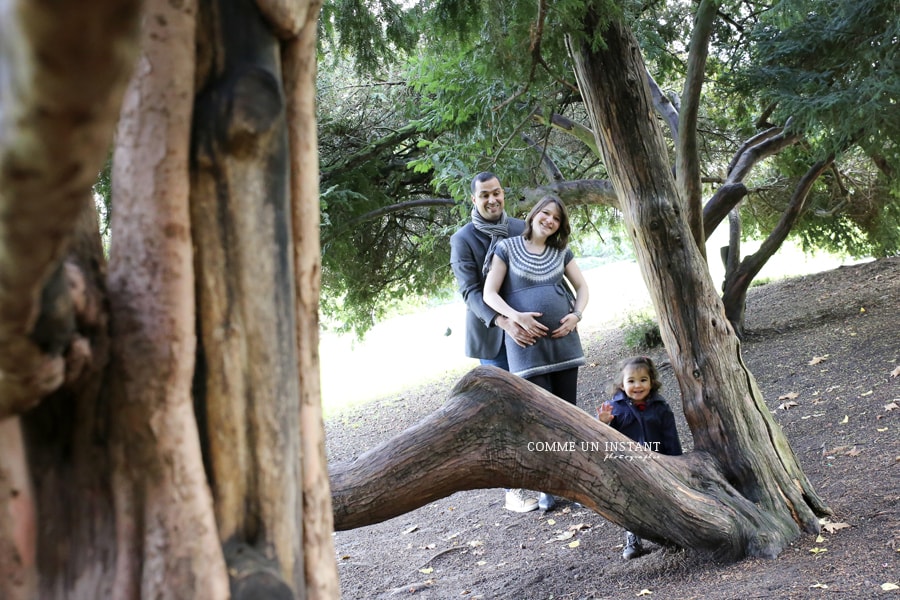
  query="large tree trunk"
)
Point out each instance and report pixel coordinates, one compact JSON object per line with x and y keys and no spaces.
{"x":144,"y":476}
{"x":722,"y":403}
{"x":65,"y":67}
{"x":247,"y":389}
{"x":168,"y":545}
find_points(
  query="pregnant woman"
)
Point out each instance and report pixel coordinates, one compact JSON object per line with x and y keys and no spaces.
{"x":525,"y":283}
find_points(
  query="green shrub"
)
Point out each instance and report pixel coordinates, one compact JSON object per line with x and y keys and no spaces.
{"x":641,"y":330}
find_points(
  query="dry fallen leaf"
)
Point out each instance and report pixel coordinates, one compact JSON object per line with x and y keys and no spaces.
{"x":854,"y":451}
{"x":646,"y":592}
{"x":895,"y":372}
{"x":888,"y":587}
{"x":832,"y":527}
{"x":788,"y":396}
{"x":787,"y":405}
{"x":845,"y":420}
{"x":551,"y":521}
{"x":891,"y":406}
{"x":565,"y":535}
{"x":426,"y":570}
{"x":819,"y":539}
{"x":821,"y":586}
{"x":574,"y":544}
{"x":818,"y":359}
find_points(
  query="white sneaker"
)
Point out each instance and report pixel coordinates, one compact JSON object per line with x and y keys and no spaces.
{"x":518,"y":501}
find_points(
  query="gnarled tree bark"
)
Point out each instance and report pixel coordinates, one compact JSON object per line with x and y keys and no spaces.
{"x":140,"y":475}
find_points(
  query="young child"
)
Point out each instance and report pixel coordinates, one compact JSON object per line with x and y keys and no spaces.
{"x":640,"y":412}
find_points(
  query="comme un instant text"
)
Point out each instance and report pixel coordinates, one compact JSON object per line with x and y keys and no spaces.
{"x":572,"y":446}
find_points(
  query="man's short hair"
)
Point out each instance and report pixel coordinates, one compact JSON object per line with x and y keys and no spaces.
{"x":483,"y":176}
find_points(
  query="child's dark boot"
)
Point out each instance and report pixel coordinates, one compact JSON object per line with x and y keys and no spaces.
{"x":633,"y":546}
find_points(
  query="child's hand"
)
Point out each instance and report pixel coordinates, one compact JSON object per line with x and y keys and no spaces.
{"x":604,"y":413}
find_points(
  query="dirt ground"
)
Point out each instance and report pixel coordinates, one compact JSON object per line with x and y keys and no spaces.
{"x":825,"y":350}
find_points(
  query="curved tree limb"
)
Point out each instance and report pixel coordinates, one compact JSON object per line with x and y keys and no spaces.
{"x":372,"y":148}
{"x":498,"y":430}
{"x":573,"y":128}
{"x":577,"y":192}
{"x":751,"y":152}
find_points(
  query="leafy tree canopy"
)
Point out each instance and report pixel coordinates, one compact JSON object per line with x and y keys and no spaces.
{"x":416,"y":98}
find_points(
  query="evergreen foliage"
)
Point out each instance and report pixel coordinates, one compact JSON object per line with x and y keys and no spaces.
{"x":475,"y":87}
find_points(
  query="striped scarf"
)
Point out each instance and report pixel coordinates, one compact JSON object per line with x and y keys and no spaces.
{"x":498,"y":230}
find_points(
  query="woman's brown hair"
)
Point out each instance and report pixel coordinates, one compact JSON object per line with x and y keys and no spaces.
{"x":560,"y":238}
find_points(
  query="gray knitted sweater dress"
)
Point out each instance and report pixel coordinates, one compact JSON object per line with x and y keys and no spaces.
{"x":534,"y":283}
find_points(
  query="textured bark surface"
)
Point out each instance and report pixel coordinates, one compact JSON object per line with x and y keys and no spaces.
{"x":67,"y":436}
{"x":63,"y":82}
{"x":247,"y":389}
{"x":167,"y":543}
{"x":144,"y":476}
{"x":299,"y":58}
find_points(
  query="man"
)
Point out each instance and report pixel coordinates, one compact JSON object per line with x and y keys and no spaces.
{"x":471,"y":249}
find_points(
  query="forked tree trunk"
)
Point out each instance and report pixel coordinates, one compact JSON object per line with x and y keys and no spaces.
{"x":737,"y":280}
{"x":743,"y":475}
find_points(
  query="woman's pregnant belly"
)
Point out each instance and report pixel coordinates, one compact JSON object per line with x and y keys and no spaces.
{"x":549,"y":300}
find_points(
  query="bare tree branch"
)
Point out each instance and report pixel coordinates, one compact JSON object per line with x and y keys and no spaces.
{"x":748,"y":155}
{"x":573,"y":128}
{"x":547,"y":165}
{"x":664,"y":107}
{"x":687,"y":159}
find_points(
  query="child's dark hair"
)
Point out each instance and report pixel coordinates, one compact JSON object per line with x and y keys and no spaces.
{"x":644,"y":362}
